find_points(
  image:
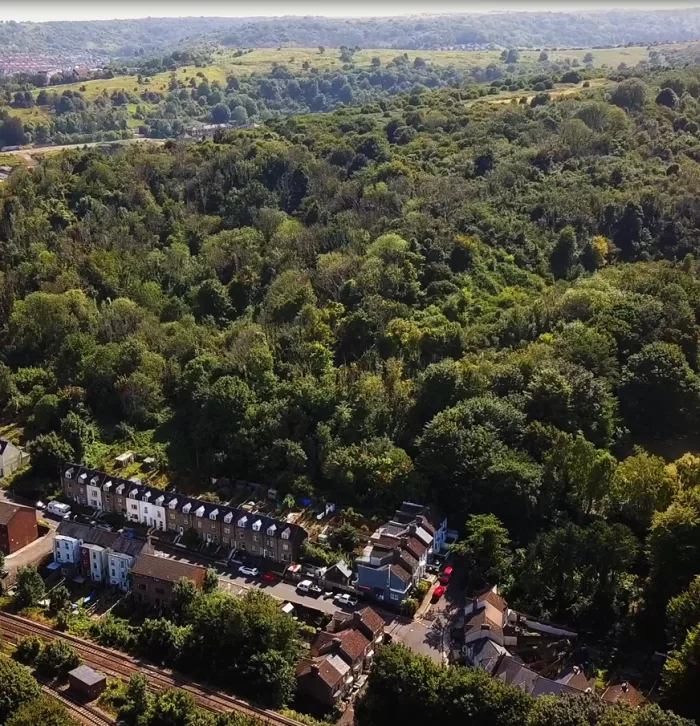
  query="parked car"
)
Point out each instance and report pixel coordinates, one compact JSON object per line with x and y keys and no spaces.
{"x":59,"y":509}
{"x":304,"y":586}
{"x":446,"y":576}
{"x":250,"y":571}
{"x":438,"y":592}
{"x":345,"y":599}
{"x":40,"y":505}
{"x":315,"y":590}
{"x":328,"y":594}
{"x":268,"y":577}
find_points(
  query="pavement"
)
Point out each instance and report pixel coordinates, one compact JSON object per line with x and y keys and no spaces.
{"x":420,"y":636}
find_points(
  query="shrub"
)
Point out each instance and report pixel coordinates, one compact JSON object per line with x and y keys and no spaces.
{"x":57,"y":659}
{"x":27,"y":650}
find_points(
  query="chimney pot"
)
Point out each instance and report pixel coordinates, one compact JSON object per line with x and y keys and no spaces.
{"x":314,"y":668}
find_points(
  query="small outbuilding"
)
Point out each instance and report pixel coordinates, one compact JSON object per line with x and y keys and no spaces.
{"x":87,"y":682}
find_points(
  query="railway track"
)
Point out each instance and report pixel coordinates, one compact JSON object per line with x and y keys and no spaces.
{"x":119,"y":665}
{"x":88,"y":715}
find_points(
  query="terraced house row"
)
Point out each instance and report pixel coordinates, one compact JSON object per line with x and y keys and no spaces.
{"x":236,"y":529}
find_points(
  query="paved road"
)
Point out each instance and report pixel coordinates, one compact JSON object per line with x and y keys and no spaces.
{"x":418,"y":635}
{"x":28,"y":153}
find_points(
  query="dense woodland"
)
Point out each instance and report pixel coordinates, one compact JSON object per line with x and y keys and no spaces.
{"x":532,"y":29}
{"x":492,"y":307}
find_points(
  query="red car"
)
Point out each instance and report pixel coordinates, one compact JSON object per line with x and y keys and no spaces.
{"x":446,"y":576}
{"x":438,"y":592}
{"x":268,"y":577}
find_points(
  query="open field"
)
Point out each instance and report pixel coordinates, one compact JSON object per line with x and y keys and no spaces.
{"x":561,"y":90}
{"x":262,"y":60}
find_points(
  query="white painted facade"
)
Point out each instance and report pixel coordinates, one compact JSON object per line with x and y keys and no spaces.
{"x":152,"y":510}
{"x":98,"y":562}
{"x":118,"y":566}
{"x":66,"y":550}
{"x":94,"y":492}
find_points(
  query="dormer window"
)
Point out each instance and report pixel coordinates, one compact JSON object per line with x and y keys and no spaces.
{"x":186,"y":508}
{"x":82,"y":478}
{"x":256,"y":525}
{"x":271,"y":530}
{"x":214,"y":514}
{"x":93,"y":481}
{"x":69,"y":474}
{"x":120,"y":489}
{"x":146,"y":496}
{"x":243,"y":521}
{"x":159,"y":501}
{"x":172,"y":503}
{"x":200,"y":511}
{"x":107,"y":486}
{"x":133,"y":493}
{"x":287,"y":533}
{"x":228,"y":518}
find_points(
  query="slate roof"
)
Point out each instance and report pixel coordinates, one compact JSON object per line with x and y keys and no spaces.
{"x":163,"y":568}
{"x":342,"y":567}
{"x":486,"y":654}
{"x":87,"y":675}
{"x":513,"y":673}
{"x":296,"y":533}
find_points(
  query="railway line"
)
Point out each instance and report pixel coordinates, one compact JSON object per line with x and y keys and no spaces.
{"x":87,"y":714}
{"x":119,"y":665}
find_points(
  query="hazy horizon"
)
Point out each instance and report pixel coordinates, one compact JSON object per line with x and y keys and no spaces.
{"x":76,"y":10}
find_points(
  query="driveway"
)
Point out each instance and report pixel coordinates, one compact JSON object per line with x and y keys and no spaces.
{"x":420,"y":636}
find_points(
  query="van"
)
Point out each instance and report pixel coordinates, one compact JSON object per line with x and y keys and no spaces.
{"x":58,"y":509}
{"x":304,"y":586}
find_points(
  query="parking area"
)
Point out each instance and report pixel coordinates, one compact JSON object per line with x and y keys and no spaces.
{"x":421,"y":636}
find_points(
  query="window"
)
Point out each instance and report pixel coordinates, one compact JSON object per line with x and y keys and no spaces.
{"x":171,"y":515}
{"x":270,"y":542}
{"x":227,"y":530}
{"x":135,"y":507}
{"x":242,"y":546}
{"x":242,"y":535}
{"x":285,"y":558}
{"x":199,"y":525}
{"x":141,"y":586}
{"x":255,"y":538}
{"x":114,"y":573}
{"x":285,"y":546}
{"x":160,"y":515}
{"x":122,"y":564}
{"x":160,"y":591}
{"x":394,"y":596}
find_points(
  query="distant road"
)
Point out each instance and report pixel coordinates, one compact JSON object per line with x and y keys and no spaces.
{"x":28,"y":153}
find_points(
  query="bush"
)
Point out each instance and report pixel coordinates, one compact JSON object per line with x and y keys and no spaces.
{"x":27,"y":650}
{"x":57,"y":659}
{"x":422,"y":589}
{"x":409,"y":607}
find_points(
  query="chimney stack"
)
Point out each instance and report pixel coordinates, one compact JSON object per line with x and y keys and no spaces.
{"x":315,"y":668}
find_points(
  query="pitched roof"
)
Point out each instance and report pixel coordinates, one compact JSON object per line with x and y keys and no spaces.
{"x":163,"y":568}
{"x":401,"y":573}
{"x":350,"y":643}
{"x":4,"y":444}
{"x":485,"y":654}
{"x":415,"y":546}
{"x":342,"y":567}
{"x":372,"y":619}
{"x":483,"y":620}
{"x":625,"y":694}
{"x":512,"y":672}
{"x":8,"y":511}
{"x":331,"y":669}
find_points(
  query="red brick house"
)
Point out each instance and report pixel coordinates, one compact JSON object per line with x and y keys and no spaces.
{"x":17,"y":527}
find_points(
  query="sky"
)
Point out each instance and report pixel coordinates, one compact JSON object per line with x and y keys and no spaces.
{"x":44,"y":10}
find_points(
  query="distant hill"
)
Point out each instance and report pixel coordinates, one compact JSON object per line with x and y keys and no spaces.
{"x":129,"y":37}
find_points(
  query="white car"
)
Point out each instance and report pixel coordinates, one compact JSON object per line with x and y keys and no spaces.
{"x":250,"y":571}
{"x":304,"y":585}
{"x":345,"y":599}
